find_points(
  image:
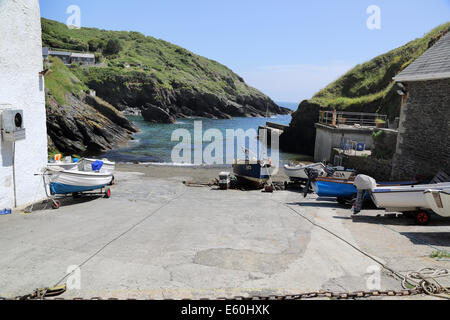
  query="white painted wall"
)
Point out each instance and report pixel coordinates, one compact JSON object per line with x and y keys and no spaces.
{"x":22,"y":87}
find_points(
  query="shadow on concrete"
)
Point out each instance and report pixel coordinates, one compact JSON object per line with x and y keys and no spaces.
{"x":441,"y":239}
{"x":316,"y":205}
{"x":65,"y":202}
{"x":396,"y":220}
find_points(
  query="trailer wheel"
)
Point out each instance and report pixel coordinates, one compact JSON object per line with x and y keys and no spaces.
{"x":423,"y":218}
{"x":56,"y":204}
{"x":108,"y":193}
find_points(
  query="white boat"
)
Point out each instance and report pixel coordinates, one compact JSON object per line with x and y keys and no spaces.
{"x":439,"y":201}
{"x":298,"y":172}
{"x":65,"y":181}
{"x":85,"y":164}
{"x":405,"y":198}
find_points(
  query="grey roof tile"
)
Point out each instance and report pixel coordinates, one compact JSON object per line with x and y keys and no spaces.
{"x":433,"y":64}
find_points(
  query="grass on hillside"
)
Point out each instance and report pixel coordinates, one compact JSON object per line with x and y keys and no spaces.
{"x":173,"y":66}
{"x":61,"y":81}
{"x":372,"y":82}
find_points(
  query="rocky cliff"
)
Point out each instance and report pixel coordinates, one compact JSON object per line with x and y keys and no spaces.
{"x":78,"y":123}
{"x":136,"y":70}
{"x":366,"y":88}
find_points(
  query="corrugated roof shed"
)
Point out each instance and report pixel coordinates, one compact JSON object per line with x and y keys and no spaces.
{"x":432,"y":65}
{"x":83,"y":55}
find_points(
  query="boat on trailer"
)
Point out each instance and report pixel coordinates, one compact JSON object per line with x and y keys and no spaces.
{"x":410,"y":199}
{"x":345,"y":190}
{"x":439,"y":201}
{"x":65,"y":182}
{"x":405,"y":198}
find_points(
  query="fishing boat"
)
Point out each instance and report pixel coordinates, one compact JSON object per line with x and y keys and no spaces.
{"x":255,"y":173}
{"x":63,"y":182}
{"x":439,"y":201}
{"x":345,"y":190}
{"x":298,"y":172}
{"x":335,"y":188}
{"x":407,"y":198}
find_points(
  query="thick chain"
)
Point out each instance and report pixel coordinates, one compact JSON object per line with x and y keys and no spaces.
{"x":305,"y":296}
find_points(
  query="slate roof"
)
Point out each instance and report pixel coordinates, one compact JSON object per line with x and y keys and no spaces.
{"x":432,"y":65}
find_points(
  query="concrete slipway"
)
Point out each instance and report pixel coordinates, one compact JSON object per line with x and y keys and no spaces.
{"x":158,"y":239}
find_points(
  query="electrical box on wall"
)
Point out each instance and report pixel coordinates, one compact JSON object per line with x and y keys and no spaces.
{"x":12,"y":125}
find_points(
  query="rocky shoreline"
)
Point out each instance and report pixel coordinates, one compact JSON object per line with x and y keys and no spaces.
{"x":133,"y":94}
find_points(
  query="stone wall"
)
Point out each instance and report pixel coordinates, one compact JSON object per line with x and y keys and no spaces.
{"x":423,"y":146}
{"x":21,"y":87}
{"x":379,"y":169}
{"x":385,"y":143}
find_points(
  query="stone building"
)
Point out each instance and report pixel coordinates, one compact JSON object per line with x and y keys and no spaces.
{"x":69,"y":57}
{"x":21,"y":92}
{"x":423,"y":146}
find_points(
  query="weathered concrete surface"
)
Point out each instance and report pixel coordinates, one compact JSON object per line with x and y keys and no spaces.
{"x":158,"y":239}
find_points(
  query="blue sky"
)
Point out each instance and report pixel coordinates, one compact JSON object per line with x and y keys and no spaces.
{"x":289,"y":49}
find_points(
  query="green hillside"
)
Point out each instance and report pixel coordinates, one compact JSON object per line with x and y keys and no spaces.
{"x":78,"y":123}
{"x":366,"y":88}
{"x":372,"y":81}
{"x":136,"y":69}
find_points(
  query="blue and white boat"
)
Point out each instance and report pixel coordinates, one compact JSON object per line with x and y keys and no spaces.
{"x":335,"y":188}
{"x":64,"y":182}
{"x":345,"y":189}
{"x":255,"y":173}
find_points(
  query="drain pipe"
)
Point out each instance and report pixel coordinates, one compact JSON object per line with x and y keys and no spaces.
{"x":14,"y":173}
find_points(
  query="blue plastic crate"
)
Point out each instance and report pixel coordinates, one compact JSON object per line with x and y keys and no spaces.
{"x":5,"y":211}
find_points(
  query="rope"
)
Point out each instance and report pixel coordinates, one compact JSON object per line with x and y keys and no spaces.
{"x":426,"y":279}
{"x":118,"y":237}
{"x":345,"y":241}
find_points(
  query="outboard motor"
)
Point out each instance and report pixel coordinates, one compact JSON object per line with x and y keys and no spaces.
{"x":312,"y":174}
{"x":364,"y":184}
{"x":329,"y":171}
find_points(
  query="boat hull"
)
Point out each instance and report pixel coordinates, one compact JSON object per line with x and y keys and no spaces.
{"x":252,"y":173}
{"x":404,"y":198}
{"x":299,"y":173}
{"x":334,"y":188}
{"x":59,"y":188}
{"x":64,"y":182}
{"x":439,"y":201}
{"x":345,"y":189}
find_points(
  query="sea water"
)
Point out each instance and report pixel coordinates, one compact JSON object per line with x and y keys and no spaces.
{"x":153,"y":144}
